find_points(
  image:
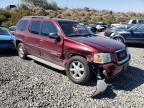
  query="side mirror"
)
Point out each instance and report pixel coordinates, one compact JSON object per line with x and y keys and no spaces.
{"x":54,"y":36}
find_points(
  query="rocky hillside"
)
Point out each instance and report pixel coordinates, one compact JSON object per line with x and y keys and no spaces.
{"x":86,"y":15}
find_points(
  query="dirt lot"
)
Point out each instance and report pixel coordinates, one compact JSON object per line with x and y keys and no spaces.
{"x":28,"y":84}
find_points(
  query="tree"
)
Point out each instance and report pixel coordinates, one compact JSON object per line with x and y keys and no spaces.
{"x":41,"y":3}
{"x":35,"y":2}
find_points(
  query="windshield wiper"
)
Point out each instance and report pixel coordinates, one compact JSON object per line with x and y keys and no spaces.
{"x":74,"y":35}
{"x":89,"y":35}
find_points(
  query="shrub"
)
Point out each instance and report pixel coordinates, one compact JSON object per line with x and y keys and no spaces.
{"x":86,"y":15}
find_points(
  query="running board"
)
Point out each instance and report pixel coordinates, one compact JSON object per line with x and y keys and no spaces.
{"x":46,"y":62}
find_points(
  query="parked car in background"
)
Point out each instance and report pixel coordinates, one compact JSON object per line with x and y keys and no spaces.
{"x":6,"y":39}
{"x":130,"y":22}
{"x":98,"y":27}
{"x":12,"y":29}
{"x":68,"y":45}
{"x":121,"y":27}
{"x":101,"y":26}
{"x":136,"y":21}
{"x":92,"y":28}
{"x":133,"y":35}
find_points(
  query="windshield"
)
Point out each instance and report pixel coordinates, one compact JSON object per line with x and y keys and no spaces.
{"x":73,"y":29}
{"x":4,"y":31}
{"x":133,"y":28}
{"x":137,"y":28}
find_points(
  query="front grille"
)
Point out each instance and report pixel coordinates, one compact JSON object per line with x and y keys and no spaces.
{"x":5,"y":41}
{"x":121,"y":55}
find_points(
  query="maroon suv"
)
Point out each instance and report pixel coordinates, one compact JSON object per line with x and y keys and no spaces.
{"x":69,"y":45}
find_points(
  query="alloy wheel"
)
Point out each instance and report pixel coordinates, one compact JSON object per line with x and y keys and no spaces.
{"x":21,"y":51}
{"x":77,"y":69}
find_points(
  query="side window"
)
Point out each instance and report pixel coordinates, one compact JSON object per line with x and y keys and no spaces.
{"x":22,"y":25}
{"x":134,"y":22}
{"x":47,"y":28}
{"x":141,"y":21}
{"x":140,"y":29}
{"x":35,"y":27}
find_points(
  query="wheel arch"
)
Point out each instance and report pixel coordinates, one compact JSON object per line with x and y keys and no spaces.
{"x":17,"y":42}
{"x":119,"y":36}
{"x":74,"y":54}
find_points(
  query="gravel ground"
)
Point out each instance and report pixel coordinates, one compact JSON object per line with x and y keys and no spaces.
{"x":28,"y":84}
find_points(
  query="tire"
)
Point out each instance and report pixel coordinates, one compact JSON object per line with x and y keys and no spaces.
{"x":77,"y":70}
{"x":22,"y":51}
{"x":119,"y":39}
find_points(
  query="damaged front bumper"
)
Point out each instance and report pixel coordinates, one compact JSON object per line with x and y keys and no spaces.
{"x":113,"y":69}
{"x":110,"y":70}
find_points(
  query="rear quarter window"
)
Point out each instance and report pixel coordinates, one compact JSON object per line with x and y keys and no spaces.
{"x":21,"y":26}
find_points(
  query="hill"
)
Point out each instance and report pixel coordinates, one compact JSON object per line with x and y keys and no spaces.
{"x":86,"y":15}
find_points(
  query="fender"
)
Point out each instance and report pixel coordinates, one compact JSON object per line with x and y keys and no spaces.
{"x":117,"y":36}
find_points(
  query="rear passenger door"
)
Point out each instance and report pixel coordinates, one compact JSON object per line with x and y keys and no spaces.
{"x":51,"y":50}
{"x":32,"y":39}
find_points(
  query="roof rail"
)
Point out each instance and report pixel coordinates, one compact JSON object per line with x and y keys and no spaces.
{"x":36,"y":17}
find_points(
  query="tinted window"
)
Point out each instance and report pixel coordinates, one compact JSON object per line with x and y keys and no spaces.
{"x":35,"y":27}
{"x":74,"y":28}
{"x":134,"y":22}
{"x":47,"y":28}
{"x":22,"y":25}
{"x":141,"y":21}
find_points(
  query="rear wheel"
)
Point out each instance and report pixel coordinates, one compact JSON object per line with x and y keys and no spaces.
{"x":21,"y":51}
{"x":77,"y":70}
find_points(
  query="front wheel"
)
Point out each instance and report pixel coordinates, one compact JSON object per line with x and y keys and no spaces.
{"x":77,"y":70}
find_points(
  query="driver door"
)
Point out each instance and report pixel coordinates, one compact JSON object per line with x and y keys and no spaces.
{"x":50,"y":49}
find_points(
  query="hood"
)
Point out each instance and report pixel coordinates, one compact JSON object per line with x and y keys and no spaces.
{"x":103,"y":44}
{"x":122,"y":33}
{"x":7,"y":37}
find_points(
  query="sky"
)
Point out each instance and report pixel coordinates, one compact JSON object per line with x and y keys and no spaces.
{"x":114,"y":5}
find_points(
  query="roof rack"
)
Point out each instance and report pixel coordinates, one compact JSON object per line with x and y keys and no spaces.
{"x":36,"y":17}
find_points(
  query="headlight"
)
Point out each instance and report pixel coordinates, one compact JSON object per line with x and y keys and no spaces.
{"x":102,"y":58}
